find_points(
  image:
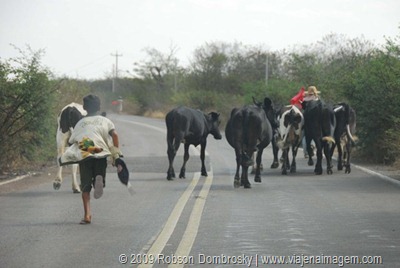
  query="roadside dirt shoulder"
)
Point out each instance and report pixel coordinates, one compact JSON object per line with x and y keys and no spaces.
{"x":21,"y":182}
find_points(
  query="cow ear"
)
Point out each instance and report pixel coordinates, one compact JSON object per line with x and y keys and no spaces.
{"x":214,"y":115}
{"x":256,"y":102}
{"x":267,"y":103}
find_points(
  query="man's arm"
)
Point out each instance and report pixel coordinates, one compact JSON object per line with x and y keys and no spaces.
{"x":115,"y":138}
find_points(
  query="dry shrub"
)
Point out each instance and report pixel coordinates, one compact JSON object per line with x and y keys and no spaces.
{"x":155,"y":114}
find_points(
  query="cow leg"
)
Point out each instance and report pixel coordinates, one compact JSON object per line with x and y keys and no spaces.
{"x":348,"y":151}
{"x":58,"y":180}
{"x":284,"y":162}
{"x":254,"y":166}
{"x":202,"y":157}
{"x":318,"y":166}
{"x":185,"y":159}
{"x":275,"y":151}
{"x":257,"y":177}
{"x":173,"y":147}
{"x":340,"y":155}
{"x":309,"y":151}
{"x":60,"y":150}
{"x":237,"y":182}
{"x":293,"y":167}
{"x":245,"y":179}
{"x":75,"y":186}
{"x":327,"y":152}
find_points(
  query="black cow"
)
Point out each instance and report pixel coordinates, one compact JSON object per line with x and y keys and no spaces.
{"x":319,"y":125}
{"x":344,"y":131}
{"x":249,"y":130}
{"x":189,"y":126}
{"x":67,"y":119}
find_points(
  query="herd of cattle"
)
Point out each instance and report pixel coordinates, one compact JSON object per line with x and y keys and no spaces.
{"x":249,"y":130}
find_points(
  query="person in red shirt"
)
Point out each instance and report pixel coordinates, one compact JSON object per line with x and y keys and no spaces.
{"x":298,"y":98}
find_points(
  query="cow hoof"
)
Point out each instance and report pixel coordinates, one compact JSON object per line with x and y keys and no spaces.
{"x":56,"y":185}
{"x":347,"y":170}
{"x":247,"y":186}
{"x":236,"y":183}
{"x":293,"y":170}
{"x":257,"y":178}
{"x":170,"y":176}
{"x":76,"y":191}
{"x":284,"y":172}
{"x":275,"y":164}
{"x":329,"y":171}
{"x":204,"y":173}
{"x":310,"y":162}
{"x":318,"y":171}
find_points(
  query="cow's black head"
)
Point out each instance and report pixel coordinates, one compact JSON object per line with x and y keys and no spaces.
{"x":69,"y":117}
{"x":214,"y":122}
{"x":270,"y":112}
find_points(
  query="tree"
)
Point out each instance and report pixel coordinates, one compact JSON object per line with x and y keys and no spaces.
{"x":159,"y":66}
{"x":160,"y":74}
{"x":25,"y":108}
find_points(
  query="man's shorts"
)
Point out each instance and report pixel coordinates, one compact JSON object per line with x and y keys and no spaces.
{"x":89,"y":169}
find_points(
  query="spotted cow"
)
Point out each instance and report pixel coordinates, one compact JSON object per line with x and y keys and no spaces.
{"x":67,"y":119}
{"x":290,"y":135}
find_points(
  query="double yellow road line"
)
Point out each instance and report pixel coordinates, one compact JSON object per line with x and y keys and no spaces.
{"x":193,"y":224}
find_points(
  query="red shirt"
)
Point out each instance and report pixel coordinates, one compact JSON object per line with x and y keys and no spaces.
{"x":298,"y":98}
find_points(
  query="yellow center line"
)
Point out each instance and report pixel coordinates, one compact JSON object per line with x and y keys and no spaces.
{"x":186,"y":244}
{"x":170,"y":225}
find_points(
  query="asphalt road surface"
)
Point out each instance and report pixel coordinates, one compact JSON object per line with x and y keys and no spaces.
{"x":298,"y":220}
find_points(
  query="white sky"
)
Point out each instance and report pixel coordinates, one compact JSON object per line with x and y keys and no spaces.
{"x":79,"y":36}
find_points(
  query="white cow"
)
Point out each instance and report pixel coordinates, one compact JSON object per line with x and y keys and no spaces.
{"x":67,"y":120}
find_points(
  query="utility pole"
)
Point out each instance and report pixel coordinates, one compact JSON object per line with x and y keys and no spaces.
{"x":116,"y":55}
{"x":266,"y":69}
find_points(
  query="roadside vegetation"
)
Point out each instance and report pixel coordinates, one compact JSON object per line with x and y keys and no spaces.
{"x":219,"y":77}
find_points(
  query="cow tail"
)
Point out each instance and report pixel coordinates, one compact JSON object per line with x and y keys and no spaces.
{"x":245,"y":128}
{"x":347,"y":121}
{"x":246,"y":159}
{"x":170,"y":131}
{"x":330,"y":139}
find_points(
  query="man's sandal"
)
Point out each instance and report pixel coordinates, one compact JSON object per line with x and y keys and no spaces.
{"x":86,"y":221}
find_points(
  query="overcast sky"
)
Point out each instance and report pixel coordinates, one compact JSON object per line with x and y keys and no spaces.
{"x":80,"y":36}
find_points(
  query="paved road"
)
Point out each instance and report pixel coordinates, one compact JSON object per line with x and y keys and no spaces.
{"x":294,"y":219}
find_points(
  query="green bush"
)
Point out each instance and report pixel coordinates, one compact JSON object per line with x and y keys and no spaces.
{"x":27,"y":95}
{"x":376,"y":98}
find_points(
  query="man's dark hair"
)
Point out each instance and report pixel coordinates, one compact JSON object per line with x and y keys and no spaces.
{"x":91,"y":103}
